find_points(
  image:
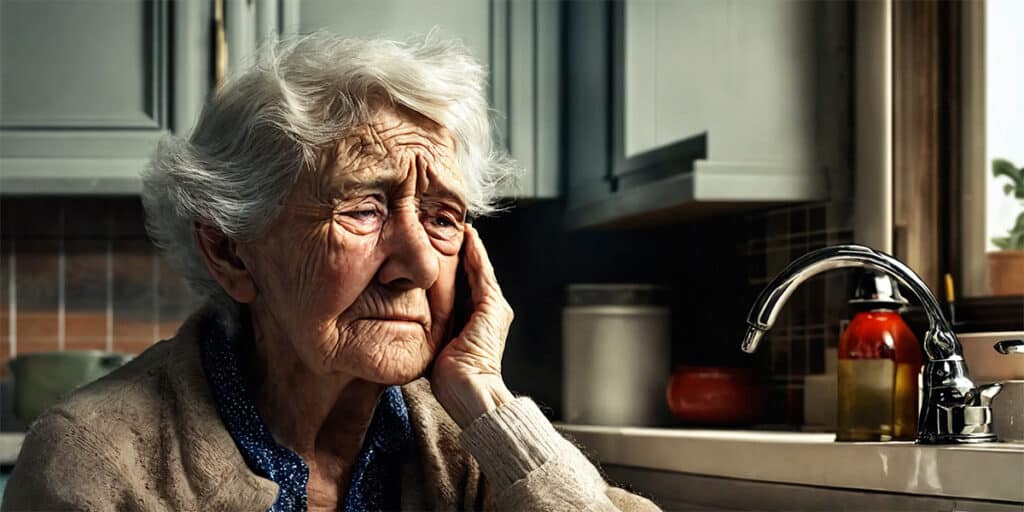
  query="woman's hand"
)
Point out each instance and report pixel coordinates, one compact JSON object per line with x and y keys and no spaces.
{"x":467,"y":373}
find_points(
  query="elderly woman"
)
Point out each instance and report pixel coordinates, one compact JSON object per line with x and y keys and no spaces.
{"x":321,"y":205}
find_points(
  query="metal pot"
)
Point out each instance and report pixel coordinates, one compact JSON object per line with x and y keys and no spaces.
{"x":41,"y":379}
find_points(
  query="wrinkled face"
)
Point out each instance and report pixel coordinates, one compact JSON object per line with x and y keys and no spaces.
{"x":358,"y":274}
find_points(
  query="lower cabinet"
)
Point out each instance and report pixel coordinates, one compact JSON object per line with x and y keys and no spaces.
{"x":680,"y":491}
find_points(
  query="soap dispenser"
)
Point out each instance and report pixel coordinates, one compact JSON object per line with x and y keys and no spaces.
{"x":879,"y":365}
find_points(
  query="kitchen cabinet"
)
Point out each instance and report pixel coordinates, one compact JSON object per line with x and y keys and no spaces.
{"x":694,"y":107}
{"x":518,"y":41}
{"x":716,"y":469}
{"x":87,"y":88}
{"x":680,"y":491}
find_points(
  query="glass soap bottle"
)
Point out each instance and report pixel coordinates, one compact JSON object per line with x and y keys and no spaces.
{"x":879,"y":366}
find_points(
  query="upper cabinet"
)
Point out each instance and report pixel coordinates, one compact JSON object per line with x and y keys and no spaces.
{"x":87,"y":88}
{"x":703,"y":106}
{"x":518,"y":41}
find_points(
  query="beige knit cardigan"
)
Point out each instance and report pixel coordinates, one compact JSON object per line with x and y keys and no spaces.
{"x":148,"y":437}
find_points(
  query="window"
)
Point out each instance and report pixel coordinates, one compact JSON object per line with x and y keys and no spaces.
{"x":993,"y":103}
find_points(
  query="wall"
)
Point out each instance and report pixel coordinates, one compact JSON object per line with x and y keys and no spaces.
{"x":702,"y":263}
{"x":80,"y":274}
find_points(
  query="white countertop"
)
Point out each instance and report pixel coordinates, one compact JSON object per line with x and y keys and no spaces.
{"x":987,"y":471}
{"x":10,"y":445}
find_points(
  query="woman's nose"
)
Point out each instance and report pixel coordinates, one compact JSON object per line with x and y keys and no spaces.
{"x":411,"y":261}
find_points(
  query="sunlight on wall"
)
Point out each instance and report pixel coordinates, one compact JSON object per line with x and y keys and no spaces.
{"x":1004,"y":95}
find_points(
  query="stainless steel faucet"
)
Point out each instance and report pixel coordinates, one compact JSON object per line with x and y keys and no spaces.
{"x":953,"y":410}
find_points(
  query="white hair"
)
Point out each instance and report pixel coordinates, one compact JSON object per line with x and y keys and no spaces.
{"x":270,"y":123}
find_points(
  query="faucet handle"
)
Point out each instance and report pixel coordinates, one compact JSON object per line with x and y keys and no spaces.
{"x":987,"y":392}
{"x":1009,"y":346}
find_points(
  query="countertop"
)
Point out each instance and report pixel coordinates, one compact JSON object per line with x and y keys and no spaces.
{"x":987,"y":471}
{"x":10,"y":445}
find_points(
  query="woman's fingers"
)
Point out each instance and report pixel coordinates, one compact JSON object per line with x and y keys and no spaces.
{"x":483,"y":282}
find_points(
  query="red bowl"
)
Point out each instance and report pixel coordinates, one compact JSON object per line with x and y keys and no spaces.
{"x":716,"y":396}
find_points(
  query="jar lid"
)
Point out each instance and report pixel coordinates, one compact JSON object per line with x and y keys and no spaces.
{"x":616,"y":294}
{"x":876,"y":291}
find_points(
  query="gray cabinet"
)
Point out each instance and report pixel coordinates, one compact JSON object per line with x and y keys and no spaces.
{"x":683,"y":491}
{"x":690,"y":107}
{"x":518,"y":41}
{"x":87,"y":88}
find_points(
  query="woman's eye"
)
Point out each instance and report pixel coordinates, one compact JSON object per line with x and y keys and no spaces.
{"x":442,"y":226}
{"x":363,"y":220}
{"x":443,"y":221}
{"x":364,"y":214}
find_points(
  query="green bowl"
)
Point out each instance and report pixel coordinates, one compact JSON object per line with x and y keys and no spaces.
{"x":41,"y":379}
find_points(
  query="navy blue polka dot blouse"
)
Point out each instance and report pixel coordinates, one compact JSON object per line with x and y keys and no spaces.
{"x":376,"y":476}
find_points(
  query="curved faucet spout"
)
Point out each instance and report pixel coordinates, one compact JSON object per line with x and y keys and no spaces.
{"x":938,"y":345}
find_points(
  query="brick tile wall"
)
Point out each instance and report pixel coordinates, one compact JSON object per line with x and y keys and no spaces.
{"x":80,"y":274}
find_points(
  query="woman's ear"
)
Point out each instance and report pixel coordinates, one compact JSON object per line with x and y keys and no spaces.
{"x":223,"y":262}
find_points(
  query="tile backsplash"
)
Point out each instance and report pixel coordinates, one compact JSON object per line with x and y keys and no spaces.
{"x":80,"y":274}
{"x":812,"y":319}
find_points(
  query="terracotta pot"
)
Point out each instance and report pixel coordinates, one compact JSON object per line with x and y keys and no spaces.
{"x":716,"y":396}
{"x":1006,"y":272}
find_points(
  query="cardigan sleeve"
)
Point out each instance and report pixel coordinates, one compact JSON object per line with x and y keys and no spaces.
{"x":62,"y":466}
{"x":530,"y":466}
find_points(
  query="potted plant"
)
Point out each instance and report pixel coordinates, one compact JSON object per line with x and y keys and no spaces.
{"x":1006,"y":266}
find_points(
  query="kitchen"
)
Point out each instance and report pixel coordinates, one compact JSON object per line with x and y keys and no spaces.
{"x":698,"y":147}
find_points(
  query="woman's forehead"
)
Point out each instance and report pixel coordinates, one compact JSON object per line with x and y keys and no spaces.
{"x":384,"y":152}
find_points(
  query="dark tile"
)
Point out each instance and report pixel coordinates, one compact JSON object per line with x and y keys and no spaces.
{"x":756,"y":268}
{"x":36,"y":218}
{"x":87,"y":218}
{"x":780,"y":347}
{"x":817,"y":240}
{"x":817,"y":219}
{"x":756,"y":226}
{"x":798,"y":220}
{"x":776,"y":260}
{"x":814,"y":289}
{"x":816,"y":355}
{"x":797,"y":306}
{"x":5,"y":260}
{"x":777,"y":225}
{"x":133,"y":297}
{"x":5,"y":353}
{"x":175,"y":300}
{"x":798,"y":354}
{"x":85,"y":295}
{"x":37,"y":289}
{"x":127,"y":219}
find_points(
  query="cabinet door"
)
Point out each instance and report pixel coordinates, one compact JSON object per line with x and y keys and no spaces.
{"x":516,"y":40}
{"x":85,"y":90}
{"x":744,"y":72}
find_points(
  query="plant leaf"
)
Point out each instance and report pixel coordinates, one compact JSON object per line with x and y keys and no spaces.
{"x":1008,"y":188}
{"x":1003,"y":167}
{"x":1003,"y":243}
{"x":1017,"y":241}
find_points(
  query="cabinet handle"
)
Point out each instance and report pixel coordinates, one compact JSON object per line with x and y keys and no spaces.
{"x":220,"y":45}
